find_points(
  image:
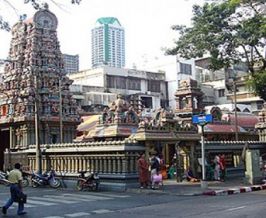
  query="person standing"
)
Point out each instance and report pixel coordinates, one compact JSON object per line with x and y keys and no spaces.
{"x":216,"y":168}
{"x":155,"y":168}
{"x":222,"y":167}
{"x":143,"y":167}
{"x":15,"y":179}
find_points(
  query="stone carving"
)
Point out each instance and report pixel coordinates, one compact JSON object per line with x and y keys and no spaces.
{"x":119,"y":111}
{"x":35,"y":53}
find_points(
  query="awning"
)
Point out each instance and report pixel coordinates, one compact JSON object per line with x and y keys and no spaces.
{"x":89,"y":122}
{"x":217,"y":128}
{"x":81,"y":97}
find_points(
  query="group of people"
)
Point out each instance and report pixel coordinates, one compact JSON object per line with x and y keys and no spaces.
{"x":149,"y":171}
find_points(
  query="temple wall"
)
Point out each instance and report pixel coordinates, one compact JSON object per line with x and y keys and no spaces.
{"x":112,"y":160}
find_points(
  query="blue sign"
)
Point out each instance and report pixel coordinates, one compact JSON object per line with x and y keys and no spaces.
{"x":202,"y":119}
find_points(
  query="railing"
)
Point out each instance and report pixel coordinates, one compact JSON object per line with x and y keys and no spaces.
{"x":103,"y":164}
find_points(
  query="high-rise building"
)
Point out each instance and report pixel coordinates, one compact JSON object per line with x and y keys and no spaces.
{"x":108,"y":43}
{"x":71,"y":63}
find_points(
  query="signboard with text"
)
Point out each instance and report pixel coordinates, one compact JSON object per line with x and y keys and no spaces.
{"x":202,"y":119}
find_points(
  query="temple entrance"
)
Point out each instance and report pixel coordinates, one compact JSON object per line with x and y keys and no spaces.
{"x":4,"y":143}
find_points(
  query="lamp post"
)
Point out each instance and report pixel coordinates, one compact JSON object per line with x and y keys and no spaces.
{"x":235,"y":106}
{"x":204,"y":184}
{"x":60,"y":112}
{"x":37,"y":129}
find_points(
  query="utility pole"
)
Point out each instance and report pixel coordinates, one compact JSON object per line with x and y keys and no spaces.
{"x":201,"y":121}
{"x":60,"y":112}
{"x":235,"y":106}
{"x":203,"y":181}
{"x":178,"y":163}
{"x":37,"y":129}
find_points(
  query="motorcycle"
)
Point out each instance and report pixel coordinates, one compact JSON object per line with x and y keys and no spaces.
{"x":4,"y":178}
{"x":92,"y":181}
{"x":45,"y":179}
{"x":25,"y":179}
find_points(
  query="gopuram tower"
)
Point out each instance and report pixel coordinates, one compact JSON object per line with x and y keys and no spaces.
{"x":34,"y":85}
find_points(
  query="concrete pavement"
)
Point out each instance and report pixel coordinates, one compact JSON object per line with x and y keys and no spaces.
{"x":230,"y":186}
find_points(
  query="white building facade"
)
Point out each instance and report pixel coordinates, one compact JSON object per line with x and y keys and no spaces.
{"x":148,"y":87}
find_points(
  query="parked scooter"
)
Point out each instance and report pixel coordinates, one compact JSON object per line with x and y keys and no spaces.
{"x":4,"y":178}
{"x":25,"y":179}
{"x":45,"y":179}
{"x":92,"y":181}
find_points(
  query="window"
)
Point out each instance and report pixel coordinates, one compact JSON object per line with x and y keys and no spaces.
{"x":54,"y":138}
{"x":147,"y":102}
{"x":110,"y":82}
{"x":117,"y":82}
{"x":221,"y":93}
{"x":259,"y":105}
{"x":154,"y":86}
{"x":133,"y":84}
{"x":185,"y":69}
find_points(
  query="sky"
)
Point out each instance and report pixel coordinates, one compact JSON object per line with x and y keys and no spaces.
{"x":147,"y":25}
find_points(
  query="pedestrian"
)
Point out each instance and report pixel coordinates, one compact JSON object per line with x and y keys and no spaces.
{"x":143,"y":167}
{"x":15,"y":179}
{"x":222,"y":167}
{"x":189,"y":176}
{"x":216,"y":167}
{"x":155,"y":168}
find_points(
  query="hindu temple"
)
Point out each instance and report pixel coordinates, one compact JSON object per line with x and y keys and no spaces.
{"x":35,"y":86}
{"x":35,"y":99}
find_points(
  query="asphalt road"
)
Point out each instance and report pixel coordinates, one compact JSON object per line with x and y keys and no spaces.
{"x":50,"y":203}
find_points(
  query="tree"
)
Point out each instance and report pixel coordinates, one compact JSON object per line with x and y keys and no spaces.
{"x":230,"y":32}
{"x":36,"y":4}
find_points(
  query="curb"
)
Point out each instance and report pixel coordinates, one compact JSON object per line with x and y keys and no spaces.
{"x":232,"y":191}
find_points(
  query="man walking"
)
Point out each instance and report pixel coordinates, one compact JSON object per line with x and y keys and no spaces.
{"x":15,"y":178}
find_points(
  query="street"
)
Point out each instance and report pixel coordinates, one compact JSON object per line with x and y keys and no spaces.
{"x":50,"y":203}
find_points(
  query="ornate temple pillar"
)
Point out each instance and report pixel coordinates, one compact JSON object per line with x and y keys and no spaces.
{"x":11,"y":137}
{"x":190,"y":102}
{"x":109,"y":164}
{"x":131,"y":163}
{"x":119,"y":165}
{"x":105,"y":165}
{"x":124,"y":164}
{"x":178,"y":99}
{"x":100,"y":165}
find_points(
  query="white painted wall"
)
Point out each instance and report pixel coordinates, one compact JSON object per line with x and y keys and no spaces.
{"x":91,"y":77}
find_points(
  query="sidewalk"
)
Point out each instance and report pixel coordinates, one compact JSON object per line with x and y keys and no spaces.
{"x":231,"y":186}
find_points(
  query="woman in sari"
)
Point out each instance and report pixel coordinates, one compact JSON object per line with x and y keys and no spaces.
{"x":143,"y":168}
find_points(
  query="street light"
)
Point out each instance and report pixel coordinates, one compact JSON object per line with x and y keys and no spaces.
{"x":231,"y":86}
{"x":60,"y":111}
{"x":37,"y":129}
{"x":235,"y":106}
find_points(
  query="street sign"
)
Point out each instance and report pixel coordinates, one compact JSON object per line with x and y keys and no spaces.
{"x":202,"y":119}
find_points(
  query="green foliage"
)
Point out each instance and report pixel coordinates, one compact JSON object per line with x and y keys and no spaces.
{"x":229,"y":32}
{"x":258,"y":84}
